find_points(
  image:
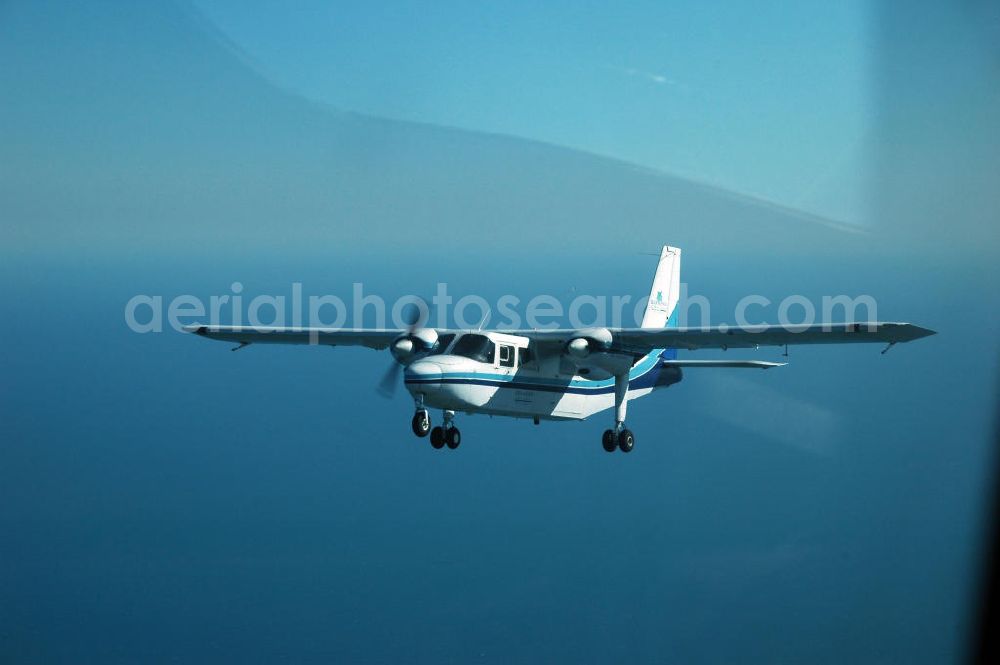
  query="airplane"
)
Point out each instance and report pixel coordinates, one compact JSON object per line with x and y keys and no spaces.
{"x":563,"y":374}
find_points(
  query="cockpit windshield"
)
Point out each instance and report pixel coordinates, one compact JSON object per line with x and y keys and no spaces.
{"x":475,"y":347}
{"x":442,"y":344}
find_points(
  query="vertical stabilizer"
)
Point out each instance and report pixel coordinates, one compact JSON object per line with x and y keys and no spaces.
{"x":666,"y":289}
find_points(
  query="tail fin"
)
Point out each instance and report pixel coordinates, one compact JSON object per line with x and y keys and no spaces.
{"x":666,"y":289}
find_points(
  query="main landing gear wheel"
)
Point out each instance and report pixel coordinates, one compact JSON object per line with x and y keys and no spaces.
{"x":623,"y":440}
{"x":450,"y":436}
{"x":421,"y":423}
{"x":626,"y":440}
{"x":609,"y":440}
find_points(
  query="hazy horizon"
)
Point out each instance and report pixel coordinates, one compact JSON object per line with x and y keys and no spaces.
{"x":166,"y":499}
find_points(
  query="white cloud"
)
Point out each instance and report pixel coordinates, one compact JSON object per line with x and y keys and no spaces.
{"x":792,"y":421}
{"x":653,"y":77}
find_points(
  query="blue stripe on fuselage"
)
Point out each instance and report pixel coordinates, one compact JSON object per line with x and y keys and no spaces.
{"x":644,"y":374}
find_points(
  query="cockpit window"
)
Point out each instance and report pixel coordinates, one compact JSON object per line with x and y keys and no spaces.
{"x":506,"y":355}
{"x":475,"y":347}
{"x":442,"y":344}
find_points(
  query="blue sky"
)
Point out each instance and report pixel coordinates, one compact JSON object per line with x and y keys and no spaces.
{"x":766,"y":98}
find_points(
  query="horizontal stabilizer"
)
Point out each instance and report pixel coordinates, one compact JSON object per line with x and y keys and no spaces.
{"x":745,"y":364}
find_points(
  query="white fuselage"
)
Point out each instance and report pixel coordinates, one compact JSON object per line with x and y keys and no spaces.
{"x":511,"y":382}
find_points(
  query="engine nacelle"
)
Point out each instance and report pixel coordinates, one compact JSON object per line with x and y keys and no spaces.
{"x":590,"y":355}
{"x":406,"y":348}
{"x":578,"y":348}
{"x":591,"y":340}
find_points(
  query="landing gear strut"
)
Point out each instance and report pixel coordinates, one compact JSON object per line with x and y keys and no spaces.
{"x":446,"y":434}
{"x":620,"y":437}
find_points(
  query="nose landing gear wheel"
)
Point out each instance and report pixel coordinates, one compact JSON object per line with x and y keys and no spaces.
{"x":626,"y":440}
{"x":608,"y":440}
{"x":453,"y":437}
{"x":421,"y":423}
{"x":437,"y":437}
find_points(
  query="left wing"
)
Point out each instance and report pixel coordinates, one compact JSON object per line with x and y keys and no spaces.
{"x":373,"y":338}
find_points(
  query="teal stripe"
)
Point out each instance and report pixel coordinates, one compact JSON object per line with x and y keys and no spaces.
{"x":647,"y":363}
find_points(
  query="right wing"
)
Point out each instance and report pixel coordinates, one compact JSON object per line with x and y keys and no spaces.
{"x":644,"y":340}
{"x":753,"y":336}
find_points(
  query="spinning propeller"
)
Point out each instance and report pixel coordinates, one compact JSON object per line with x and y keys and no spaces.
{"x":404,"y":348}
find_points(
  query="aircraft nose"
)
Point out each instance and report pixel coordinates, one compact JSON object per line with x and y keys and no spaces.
{"x":422,"y":372}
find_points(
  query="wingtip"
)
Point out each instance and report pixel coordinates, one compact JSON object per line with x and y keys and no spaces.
{"x":906,"y":332}
{"x":919,"y":332}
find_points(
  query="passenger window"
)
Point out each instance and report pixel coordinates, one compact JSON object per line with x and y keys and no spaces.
{"x":506,"y":356}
